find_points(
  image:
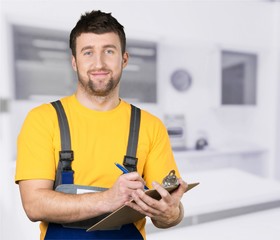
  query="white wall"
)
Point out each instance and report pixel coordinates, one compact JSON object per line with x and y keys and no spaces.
{"x":277,"y":70}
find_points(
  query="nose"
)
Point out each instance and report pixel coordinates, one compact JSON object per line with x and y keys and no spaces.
{"x":98,"y":61}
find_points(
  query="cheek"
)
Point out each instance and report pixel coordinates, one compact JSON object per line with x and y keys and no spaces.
{"x":120,"y":64}
{"x":114,"y":66}
{"x":83,"y":66}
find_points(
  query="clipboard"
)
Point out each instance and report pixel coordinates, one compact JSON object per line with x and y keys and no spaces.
{"x":126,"y":214}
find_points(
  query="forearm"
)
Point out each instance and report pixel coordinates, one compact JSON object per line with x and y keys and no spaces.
{"x":171,"y":222}
{"x":42,"y":203}
{"x":58,"y":207}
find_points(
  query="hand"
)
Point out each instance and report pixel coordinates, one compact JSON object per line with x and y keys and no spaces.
{"x":123,"y":188}
{"x":166,"y":211}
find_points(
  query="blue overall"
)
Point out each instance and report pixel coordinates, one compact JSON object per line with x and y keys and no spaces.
{"x":57,"y":231}
{"x":65,"y":175}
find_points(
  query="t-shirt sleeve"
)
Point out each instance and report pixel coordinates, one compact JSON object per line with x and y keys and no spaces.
{"x":160,"y":160}
{"x":35,"y":145}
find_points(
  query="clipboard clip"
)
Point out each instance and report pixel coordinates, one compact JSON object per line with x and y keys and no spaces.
{"x":170,"y":180}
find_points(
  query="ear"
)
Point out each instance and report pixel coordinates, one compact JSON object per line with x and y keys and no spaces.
{"x":74,"y":64}
{"x":125,"y":59}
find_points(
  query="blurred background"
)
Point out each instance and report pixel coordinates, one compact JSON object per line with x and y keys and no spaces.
{"x":209,"y":69}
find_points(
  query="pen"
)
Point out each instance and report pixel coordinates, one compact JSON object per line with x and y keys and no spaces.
{"x":124,"y":170}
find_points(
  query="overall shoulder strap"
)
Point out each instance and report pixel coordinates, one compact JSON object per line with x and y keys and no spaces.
{"x":64,"y":172}
{"x":130,"y":160}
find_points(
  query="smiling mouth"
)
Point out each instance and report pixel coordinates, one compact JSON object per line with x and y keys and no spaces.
{"x":99,"y":74}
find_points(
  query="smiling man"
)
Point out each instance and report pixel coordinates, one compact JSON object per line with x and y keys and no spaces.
{"x":99,"y":60}
{"x":99,"y":123}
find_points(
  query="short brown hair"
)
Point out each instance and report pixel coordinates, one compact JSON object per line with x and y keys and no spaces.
{"x":97,"y":22}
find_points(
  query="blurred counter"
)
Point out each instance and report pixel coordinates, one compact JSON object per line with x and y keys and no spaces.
{"x":251,"y":159}
{"x":225,"y":193}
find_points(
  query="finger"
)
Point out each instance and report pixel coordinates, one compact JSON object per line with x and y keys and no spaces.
{"x":148,"y":205}
{"x":133,"y":176}
{"x":165,"y":195}
{"x":183,"y":186}
{"x":136,"y":207}
{"x":130,"y":176}
{"x":133,"y":185}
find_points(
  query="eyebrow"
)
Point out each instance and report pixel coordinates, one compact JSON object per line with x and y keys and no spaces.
{"x":105,"y":46}
{"x":110,"y":46}
{"x":86,"y":48}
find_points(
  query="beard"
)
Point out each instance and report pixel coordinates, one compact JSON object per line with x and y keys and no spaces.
{"x":98,"y":88}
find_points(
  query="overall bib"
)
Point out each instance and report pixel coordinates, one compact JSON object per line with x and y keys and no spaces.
{"x":65,"y":175}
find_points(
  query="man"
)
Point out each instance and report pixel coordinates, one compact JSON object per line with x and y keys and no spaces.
{"x":99,"y":124}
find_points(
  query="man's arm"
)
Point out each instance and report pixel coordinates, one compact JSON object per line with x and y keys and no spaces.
{"x":42,"y":203}
{"x":164,"y":213}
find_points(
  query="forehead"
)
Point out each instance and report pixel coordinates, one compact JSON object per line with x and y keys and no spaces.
{"x":98,"y":40}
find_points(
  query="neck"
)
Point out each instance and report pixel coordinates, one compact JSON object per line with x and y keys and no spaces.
{"x":98,"y":103}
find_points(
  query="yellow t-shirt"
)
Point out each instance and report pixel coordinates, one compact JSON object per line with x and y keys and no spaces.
{"x":98,"y":139}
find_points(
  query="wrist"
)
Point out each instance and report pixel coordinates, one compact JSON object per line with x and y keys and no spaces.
{"x":180,"y":217}
{"x":107,"y":203}
{"x":173,"y":223}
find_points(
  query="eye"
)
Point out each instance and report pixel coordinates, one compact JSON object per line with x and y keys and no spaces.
{"x":87,"y":53}
{"x":109,"y":51}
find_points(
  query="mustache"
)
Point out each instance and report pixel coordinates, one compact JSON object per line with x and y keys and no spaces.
{"x":99,"y":70}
